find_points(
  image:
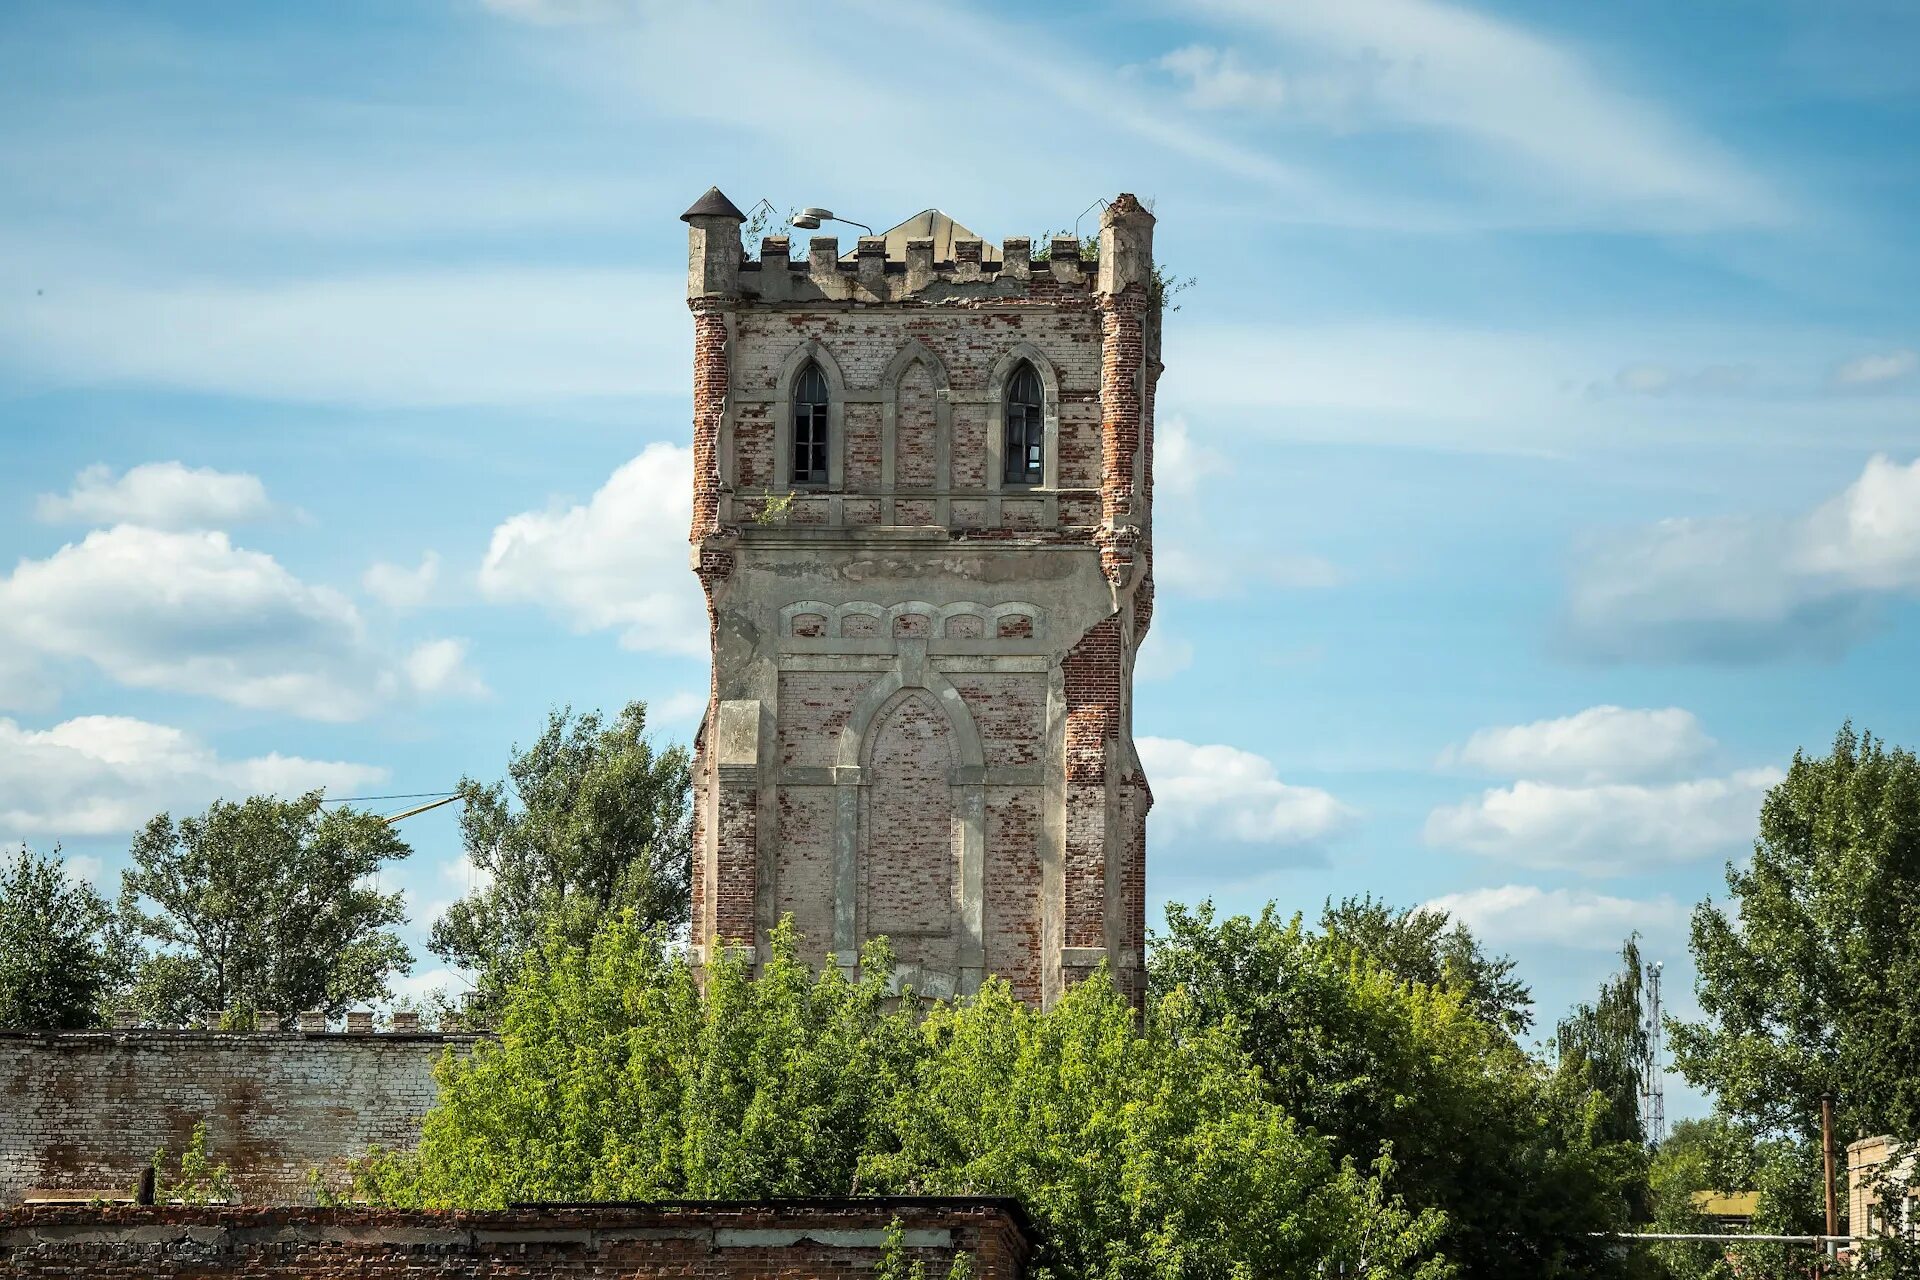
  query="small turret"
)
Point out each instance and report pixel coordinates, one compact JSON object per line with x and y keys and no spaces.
{"x":1126,"y":246}
{"x":713,"y":246}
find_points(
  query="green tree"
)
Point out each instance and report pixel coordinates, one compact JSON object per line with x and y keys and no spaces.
{"x":1518,"y":1159}
{"x":1692,"y":1160}
{"x":1141,"y":1147}
{"x":1428,"y":946}
{"x":263,"y":904}
{"x":1809,"y":980}
{"x":591,"y":821}
{"x":55,"y":953}
{"x":1604,"y":1045}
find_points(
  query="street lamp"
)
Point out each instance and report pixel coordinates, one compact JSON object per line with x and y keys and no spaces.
{"x":810,"y":220}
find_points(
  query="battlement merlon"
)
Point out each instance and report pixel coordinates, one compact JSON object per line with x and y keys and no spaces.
{"x":718,"y":266}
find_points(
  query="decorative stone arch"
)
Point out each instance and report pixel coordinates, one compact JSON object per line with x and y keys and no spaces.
{"x":897,"y":611}
{"x":947,"y":612}
{"x":814,"y":351}
{"x":860,"y":609}
{"x":997,"y":381}
{"x":967,"y":779}
{"x":913,"y":352}
{"x":853,"y":747}
{"x":799,"y":607}
{"x":1019,"y":608}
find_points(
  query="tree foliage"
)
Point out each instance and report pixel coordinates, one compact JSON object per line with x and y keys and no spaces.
{"x":1141,"y":1147}
{"x":1809,"y":982}
{"x":55,"y":954}
{"x":1603,"y":1046}
{"x":263,"y":904}
{"x":590,"y":821}
{"x":1519,"y":1159}
{"x":1696,"y":1157}
{"x":196,"y":1178}
{"x":1427,"y":946}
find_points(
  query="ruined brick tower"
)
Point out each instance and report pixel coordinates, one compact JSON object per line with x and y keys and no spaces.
{"x":922,"y":516}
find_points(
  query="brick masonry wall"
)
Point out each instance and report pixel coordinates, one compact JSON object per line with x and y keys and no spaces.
{"x":777,"y":1240}
{"x":909,"y":875}
{"x":88,"y":1109}
{"x":981,"y":805}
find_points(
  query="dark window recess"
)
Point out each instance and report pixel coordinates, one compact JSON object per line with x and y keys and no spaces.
{"x":1026,"y":454}
{"x":809,"y":427}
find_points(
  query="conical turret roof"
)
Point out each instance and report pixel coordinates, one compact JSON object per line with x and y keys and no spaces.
{"x":714,"y":204}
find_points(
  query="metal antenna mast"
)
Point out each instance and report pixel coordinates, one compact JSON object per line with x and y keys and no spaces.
{"x":1653,"y":1096}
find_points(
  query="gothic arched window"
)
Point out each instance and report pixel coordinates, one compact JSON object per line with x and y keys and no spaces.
{"x":809,"y":427}
{"x":1026,"y":443}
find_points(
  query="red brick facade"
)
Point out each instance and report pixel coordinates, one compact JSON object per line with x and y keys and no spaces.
{"x":921,"y":715}
{"x":775,"y":1240}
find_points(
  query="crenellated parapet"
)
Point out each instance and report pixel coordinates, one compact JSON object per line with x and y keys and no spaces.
{"x":870,"y":275}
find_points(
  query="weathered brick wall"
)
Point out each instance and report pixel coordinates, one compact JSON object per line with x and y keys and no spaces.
{"x":939,"y":663}
{"x":776,"y":1240}
{"x":88,"y":1109}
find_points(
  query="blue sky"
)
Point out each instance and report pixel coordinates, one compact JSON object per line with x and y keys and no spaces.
{"x":1540,"y":463}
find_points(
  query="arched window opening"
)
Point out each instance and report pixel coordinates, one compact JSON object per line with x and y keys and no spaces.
{"x":809,"y":427}
{"x":1026,"y":429}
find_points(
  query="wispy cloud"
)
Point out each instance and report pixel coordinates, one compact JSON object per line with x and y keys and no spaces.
{"x":399,"y":587}
{"x":431,"y":337}
{"x":1604,"y":743}
{"x":161,"y":495}
{"x":1522,"y":913}
{"x":1750,"y":588}
{"x":1877,"y":368}
{"x":1510,"y":92}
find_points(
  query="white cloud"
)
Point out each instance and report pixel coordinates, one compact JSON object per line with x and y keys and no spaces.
{"x":160,"y":495}
{"x":1600,"y":744}
{"x":1519,"y":914}
{"x":1162,"y":656}
{"x":1752,"y":587}
{"x":556,"y":12}
{"x":1180,"y":463}
{"x":1225,"y":793}
{"x":192,"y":613}
{"x":1217,"y":79}
{"x":104,"y":775}
{"x":683,"y":707}
{"x":1605,"y":829}
{"x":83,"y":869}
{"x":463,"y":877}
{"x":458,"y":878}
{"x":617,"y":561}
{"x":399,"y":587}
{"x":1507,"y":90}
{"x":24,"y":682}
{"x":423,"y":987}
{"x":1660,"y":380}
{"x":438,"y":668}
{"x":1219,"y":572}
{"x":445,"y":337}
{"x":1877,"y":368}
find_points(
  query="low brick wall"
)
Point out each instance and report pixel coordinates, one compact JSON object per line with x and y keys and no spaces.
{"x":768,"y":1240}
{"x":88,"y":1109}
